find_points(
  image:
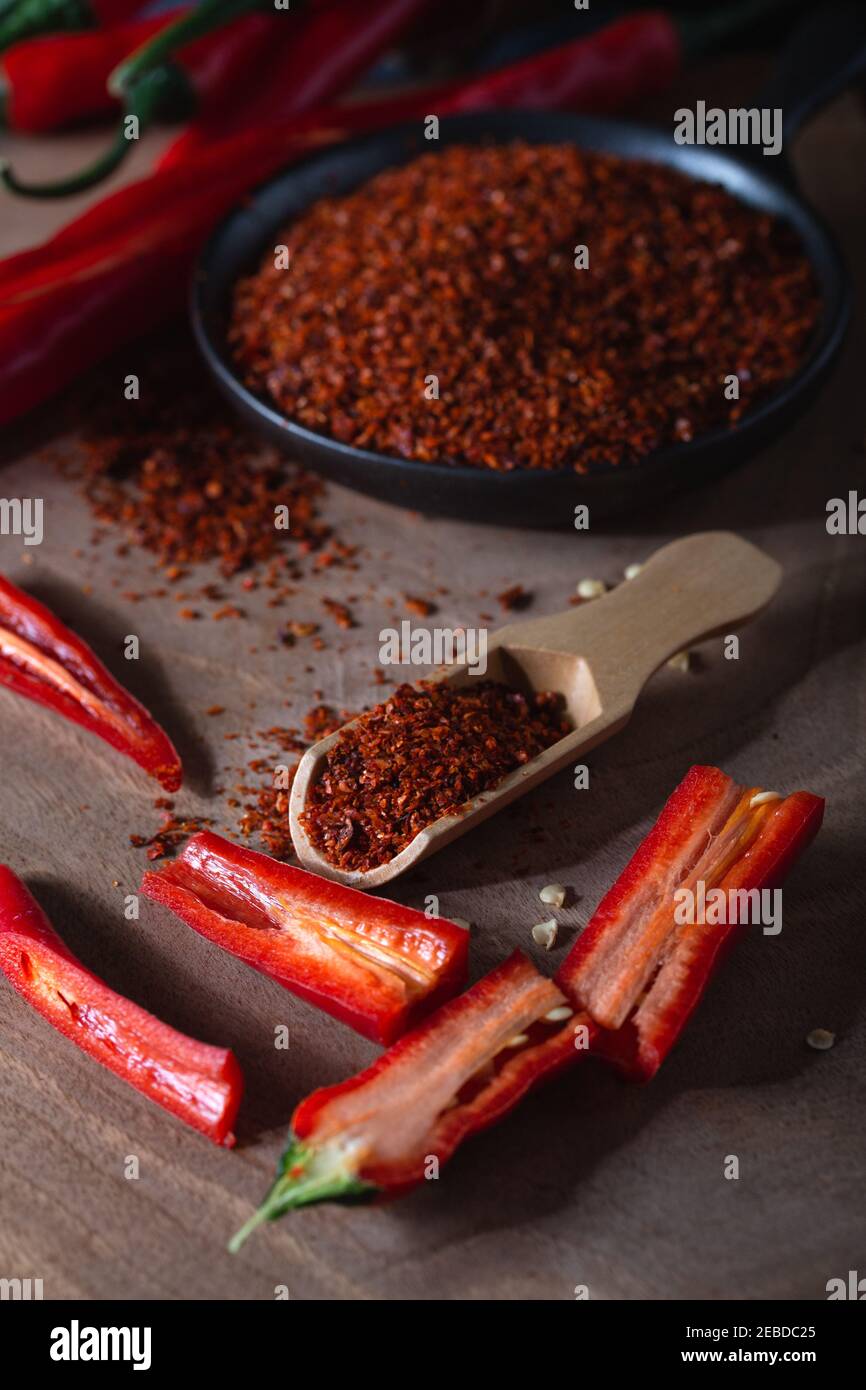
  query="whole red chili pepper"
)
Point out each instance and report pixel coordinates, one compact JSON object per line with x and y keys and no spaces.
{"x":198,"y":79}
{"x":457,"y":1073}
{"x":42,"y":658}
{"x":28,"y":18}
{"x":636,"y":969}
{"x":121,"y":266}
{"x":373,"y":964}
{"x":50,"y":83}
{"x":331,"y":49}
{"x":199,"y":1084}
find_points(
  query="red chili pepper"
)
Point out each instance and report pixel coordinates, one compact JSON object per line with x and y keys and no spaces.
{"x":31,"y":17}
{"x":624,"y":993}
{"x":198,"y":1083}
{"x":158,"y":197}
{"x":120,"y":267}
{"x":332,"y":47}
{"x":43,"y":659}
{"x":199,"y":78}
{"x":50,"y":83}
{"x":468,"y":1065}
{"x":373,"y":964}
{"x":635,"y":968}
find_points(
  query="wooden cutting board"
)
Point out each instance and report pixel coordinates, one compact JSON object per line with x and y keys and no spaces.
{"x":590,"y":1182}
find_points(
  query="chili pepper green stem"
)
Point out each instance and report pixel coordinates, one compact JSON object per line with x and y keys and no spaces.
{"x":305,"y":1175}
{"x":30,"y":17}
{"x":163,"y":94}
{"x":203,"y":19}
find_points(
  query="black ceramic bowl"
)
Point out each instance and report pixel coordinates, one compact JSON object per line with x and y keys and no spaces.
{"x":524,"y":496}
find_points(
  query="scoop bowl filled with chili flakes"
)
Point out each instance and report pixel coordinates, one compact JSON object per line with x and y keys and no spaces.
{"x":535,"y":311}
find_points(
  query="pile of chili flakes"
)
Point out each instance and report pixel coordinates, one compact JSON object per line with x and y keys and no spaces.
{"x":419,"y":755}
{"x":180,"y":476}
{"x":462,"y":264}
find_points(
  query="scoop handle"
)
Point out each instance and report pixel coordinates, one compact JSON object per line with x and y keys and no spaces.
{"x":701,"y":586}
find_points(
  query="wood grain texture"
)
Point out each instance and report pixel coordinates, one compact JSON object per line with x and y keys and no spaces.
{"x":590,"y":1182}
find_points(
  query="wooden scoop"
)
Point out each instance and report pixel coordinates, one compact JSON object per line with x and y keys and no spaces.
{"x":598,"y":656}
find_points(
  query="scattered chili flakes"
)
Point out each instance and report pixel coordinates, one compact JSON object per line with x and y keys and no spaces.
{"x":183,"y":478}
{"x":514,"y":598}
{"x":267,"y":817}
{"x":170,"y":835}
{"x":296,"y":629}
{"x":339,"y":612}
{"x":462,"y":263}
{"x":422,"y":754}
{"x":322,"y":720}
{"x":421,"y":606}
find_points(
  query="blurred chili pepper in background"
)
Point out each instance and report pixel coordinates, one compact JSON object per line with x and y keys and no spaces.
{"x":50,"y":83}
{"x":123,"y":265}
{"x":114,"y":272}
{"x":28,"y":18}
{"x":207,"y":72}
{"x":332,"y":48}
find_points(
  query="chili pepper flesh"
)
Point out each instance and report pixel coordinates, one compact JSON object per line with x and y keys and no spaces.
{"x":637,"y":969}
{"x":453,"y":1076}
{"x":373,"y":964}
{"x":44,"y":660}
{"x":199,"y":1084}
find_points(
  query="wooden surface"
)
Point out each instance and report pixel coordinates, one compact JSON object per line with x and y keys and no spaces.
{"x":590,"y":1182}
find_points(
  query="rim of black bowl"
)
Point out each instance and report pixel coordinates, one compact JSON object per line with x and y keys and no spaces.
{"x":742,"y":178}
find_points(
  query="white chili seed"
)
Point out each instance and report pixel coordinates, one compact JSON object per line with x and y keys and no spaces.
{"x":591,"y":588}
{"x":545,"y":934}
{"x":632,"y":571}
{"x":559,"y":1014}
{"x":553,"y":895}
{"x":681,"y":662}
{"x":518,"y":1040}
{"x":821,"y":1039}
{"x":761,"y":798}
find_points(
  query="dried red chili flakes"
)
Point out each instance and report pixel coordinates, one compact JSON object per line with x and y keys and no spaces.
{"x":266,"y":817}
{"x":339,"y":612}
{"x":514,"y":598}
{"x":322,"y":720}
{"x":423,"y":753}
{"x":170,"y":835}
{"x":179,"y":474}
{"x":461,"y":263}
{"x":423,"y":607}
{"x":294,"y":630}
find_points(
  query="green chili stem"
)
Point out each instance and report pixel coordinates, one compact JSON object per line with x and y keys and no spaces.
{"x":305,"y":1175}
{"x":30,"y":17}
{"x":203,"y":19}
{"x":163,"y":94}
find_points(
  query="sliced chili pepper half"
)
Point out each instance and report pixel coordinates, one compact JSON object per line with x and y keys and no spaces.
{"x":200,"y":1084}
{"x":43,"y":659}
{"x":465,"y":1067}
{"x":371,"y":963}
{"x":639,"y":968}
